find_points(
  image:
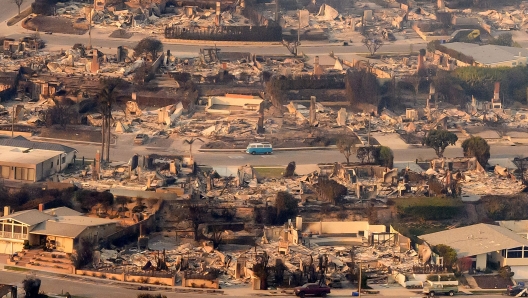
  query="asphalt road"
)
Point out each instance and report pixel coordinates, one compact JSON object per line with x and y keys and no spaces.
{"x":124,"y":149}
{"x":92,"y":288}
{"x":101,"y":40}
{"x":106,"y":44}
{"x":9,"y":9}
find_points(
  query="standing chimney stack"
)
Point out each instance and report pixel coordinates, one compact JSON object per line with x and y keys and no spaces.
{"x":496,"y":92}
{"x":41,"y":207}
{"x":7,"y":210}
{"x":420,"y":61}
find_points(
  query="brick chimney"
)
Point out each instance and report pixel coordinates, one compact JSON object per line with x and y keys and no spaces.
{"x":496,"y":97}
{"x":95,"y":62}
{"x":41,"y":207}
{"x":97,"y":166}
{"x":420,"y":62}
{"x":7,"y":210}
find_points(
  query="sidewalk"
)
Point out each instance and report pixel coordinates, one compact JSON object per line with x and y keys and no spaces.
{"x":331,"y":147}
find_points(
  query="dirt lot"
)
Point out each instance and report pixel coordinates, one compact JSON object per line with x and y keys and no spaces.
{"x":52,"y":24}
{"x":492,"y":282}
{"x":121,"y":33}
{"x":72,"y":133}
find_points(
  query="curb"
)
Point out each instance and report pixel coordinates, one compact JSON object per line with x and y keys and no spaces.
{"x":69,"y":141}
{"x":331,"y":147}
{"x":19,"y":17}
{"x":80,"y":278}
{"x":176,"y":41}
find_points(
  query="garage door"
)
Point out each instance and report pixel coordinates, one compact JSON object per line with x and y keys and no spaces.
{"x":521,"y":272}
{"x":5,"y":247}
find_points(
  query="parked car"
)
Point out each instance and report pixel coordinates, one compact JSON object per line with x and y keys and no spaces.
{"x":140,"y":139}
{"x":312,"y":289}
{"x":438,"y":289}
{"x":515,"y":290}
{"x":259,"y":148}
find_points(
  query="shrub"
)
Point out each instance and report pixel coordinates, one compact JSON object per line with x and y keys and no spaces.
{"x":505,"y":272}
{"x":290,"y":170}
{"x":145,"y":295}
{"x":31,"y":286}
{"x":432,"y":277}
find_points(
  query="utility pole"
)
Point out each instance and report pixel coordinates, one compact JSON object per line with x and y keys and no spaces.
{"x":359,"y":281}
{"x":13,"y":124}
{"x":277,"y":11}
{"x":368,"y":137}
{"x":299,"y":30}
{"x":90,"y":31}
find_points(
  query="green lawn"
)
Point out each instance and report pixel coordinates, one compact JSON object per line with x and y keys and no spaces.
{"x":269,"y":172}
{"x":425,"y":208}
{"x":12,"y":268}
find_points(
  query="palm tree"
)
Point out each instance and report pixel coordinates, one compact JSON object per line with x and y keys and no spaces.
{"x":106,"y":100}
{"x":190,"y":142}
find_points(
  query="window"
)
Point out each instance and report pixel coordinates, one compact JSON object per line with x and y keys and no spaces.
{"x":31,"y":175}
{"x":51,"y":165}
{"x":514,"y":63}
{"x":5,"y":172}
{"x":64,"y":159}
{"x":515,"y":253}
{"x":525,"y":252}
{"x":18,"y":173}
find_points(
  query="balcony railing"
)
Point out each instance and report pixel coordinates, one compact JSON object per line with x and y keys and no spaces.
{"x":11,"y":235}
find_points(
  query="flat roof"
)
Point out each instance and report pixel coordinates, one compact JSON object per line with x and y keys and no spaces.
{"x":487,"y":54}
{"x":85,"y":220}
{"x":59,"y":229}
{"x":476,"y":239}
{"x":25,"y":155}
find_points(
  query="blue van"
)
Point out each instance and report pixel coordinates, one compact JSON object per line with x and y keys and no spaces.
{"x":259,"y":148}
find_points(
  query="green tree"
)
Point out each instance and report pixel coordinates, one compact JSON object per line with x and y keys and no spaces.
{"x":150,"y":46}
{"x":448,"y":253}
{"x":386,"y":157}
{"x":347,"y":146}
{"x":477,"y":147}
{"x":439,"y":139}
{"x":286,"y":206}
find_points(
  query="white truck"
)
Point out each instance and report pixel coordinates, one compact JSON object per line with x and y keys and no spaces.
{"x":437,"y":289}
